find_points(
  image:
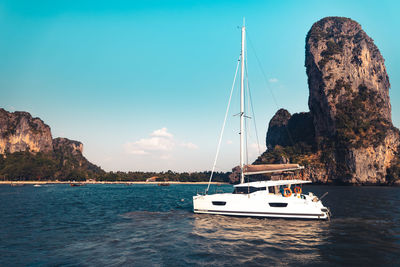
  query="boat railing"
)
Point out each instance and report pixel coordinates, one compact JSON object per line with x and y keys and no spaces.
{"x":201,"y":192}
{"x":204,"y":192}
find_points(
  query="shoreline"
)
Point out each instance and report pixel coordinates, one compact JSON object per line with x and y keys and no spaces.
{"x":102,"y":182}
{"x":21,"y":183}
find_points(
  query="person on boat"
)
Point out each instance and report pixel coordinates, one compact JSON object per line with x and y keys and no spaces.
{"x":281,"y":190}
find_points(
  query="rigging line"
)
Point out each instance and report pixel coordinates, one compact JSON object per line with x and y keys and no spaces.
{"x":223,"y":127}
{"x":262,"y":71}
{"x":268,"y":86}
{"x":252,"y":109}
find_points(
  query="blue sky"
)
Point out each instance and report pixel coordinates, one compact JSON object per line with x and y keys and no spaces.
{"x":144,"y":84}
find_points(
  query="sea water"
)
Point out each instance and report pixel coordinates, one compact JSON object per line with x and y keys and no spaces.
{"x":150,"y":225}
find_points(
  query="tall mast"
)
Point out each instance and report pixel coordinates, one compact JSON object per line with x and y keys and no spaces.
{"x":242,"y":56}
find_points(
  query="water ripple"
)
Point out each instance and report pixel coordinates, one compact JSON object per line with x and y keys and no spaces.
{"x":146,"y":225}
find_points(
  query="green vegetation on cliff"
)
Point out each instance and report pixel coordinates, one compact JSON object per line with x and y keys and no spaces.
{"x":289,"y":137}
{"x":45,"y":166}
{"x":357,"y":120}
{"x":24,"y":165}
{"x":331,"y":50}
{"x":297,"y":153}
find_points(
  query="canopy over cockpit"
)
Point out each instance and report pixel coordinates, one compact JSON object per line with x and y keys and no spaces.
{"x":272,"y":183}
{"x":270,"y":168}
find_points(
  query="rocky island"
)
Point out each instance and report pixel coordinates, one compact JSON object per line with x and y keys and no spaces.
{"x":28,"y":151}
{"x":347,"y":137}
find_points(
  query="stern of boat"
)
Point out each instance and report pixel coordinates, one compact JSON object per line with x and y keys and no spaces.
{"x":318,"y":203}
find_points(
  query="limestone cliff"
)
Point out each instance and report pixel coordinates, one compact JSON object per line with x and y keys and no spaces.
{"x":27,"y":151}
{"x":354,"y":139}
{"x":285,"y":129}
{"x":277,"y":129}
{"x":69,"y":153}
{"x":65,"y":145}
{"x":344,"y":66}
{"x":349,"y":101}
{"x":20,"y":132}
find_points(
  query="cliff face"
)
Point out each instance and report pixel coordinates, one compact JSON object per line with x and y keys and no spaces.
{"x":349,"y":101}
{"x":277,"y":129}
{"x":65,"y":145}
{"x":354,"y":139}
{"x":20,"y":132}
{"x":285,"y":129}
{"x":69,"y":153}
{"x":343,"y":66}
{"x":29,"y":152}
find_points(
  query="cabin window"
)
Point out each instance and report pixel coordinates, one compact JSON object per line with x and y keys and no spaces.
{"x":219,"y":203}
{"x":247,"y":189}
{"x":278,"y":204}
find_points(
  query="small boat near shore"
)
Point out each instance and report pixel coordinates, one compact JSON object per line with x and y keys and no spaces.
{"x":17,"y":184}
{"x":77,"y":184}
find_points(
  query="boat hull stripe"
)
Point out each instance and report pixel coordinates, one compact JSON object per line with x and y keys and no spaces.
{"x":261,"y":213}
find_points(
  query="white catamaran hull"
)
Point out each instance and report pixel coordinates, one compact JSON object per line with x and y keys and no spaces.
{"x":261,"y":204}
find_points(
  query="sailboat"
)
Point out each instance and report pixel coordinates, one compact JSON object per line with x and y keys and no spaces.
{"x":262,"y":198}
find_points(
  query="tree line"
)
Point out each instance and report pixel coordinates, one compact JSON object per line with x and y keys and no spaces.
{"x":26,"y":166}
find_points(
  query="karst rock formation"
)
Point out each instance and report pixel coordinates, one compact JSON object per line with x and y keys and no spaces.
{"x":352,"y":136}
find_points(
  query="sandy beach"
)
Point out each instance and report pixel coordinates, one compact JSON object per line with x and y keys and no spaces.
{"x":99,"y":182}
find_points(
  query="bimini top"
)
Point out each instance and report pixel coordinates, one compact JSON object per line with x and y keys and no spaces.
{"x":272,"y":183}
{"x":270,"y":168}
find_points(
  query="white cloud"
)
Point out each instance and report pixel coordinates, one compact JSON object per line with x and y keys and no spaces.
{"x":189,"y":145}
{"x":163,"y":132}
{"x":145,"y":145}
{"x":131,"y":148}
{"x":273,"y":80}
{"x":229,"y":142}
{"x":160,"y":143}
